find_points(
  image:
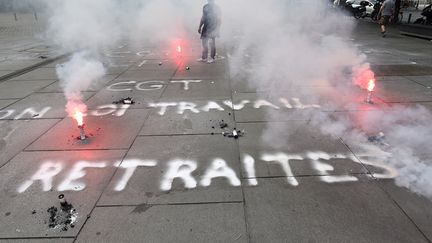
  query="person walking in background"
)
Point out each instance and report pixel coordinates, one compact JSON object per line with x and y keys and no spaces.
{"x":209,"y":29}
{"x":386,"y":12}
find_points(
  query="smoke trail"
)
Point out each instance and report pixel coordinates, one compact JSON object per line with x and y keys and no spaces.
{"x":76,"y":75}
{"x":301,"y":47}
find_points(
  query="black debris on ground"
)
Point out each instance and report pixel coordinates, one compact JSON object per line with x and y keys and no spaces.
{"x":234,"y":133}
{"x":125,"y":101}
{"x":43,"y":57}
{"x":62,"y":217}
{"x":223,"y":124}
{"x":378,"y":139}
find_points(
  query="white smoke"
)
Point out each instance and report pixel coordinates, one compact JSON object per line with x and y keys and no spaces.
{"x":77,"y":75}
{"x":285,"y":47}
{"x":278,"y":46}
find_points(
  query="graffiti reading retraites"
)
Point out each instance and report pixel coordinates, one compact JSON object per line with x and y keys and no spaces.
{"x":182,"y":169}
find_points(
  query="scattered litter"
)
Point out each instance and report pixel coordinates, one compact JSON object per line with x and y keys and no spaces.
{"x":160,"y":63}
{"x":234,"y":133}
{"x":43,"y":57}
{"x":187,"y":68}
{"x":34,"y":212}
{"x":63,"y":217}
{"x":35,"y":115}
{"x":379,"y":139}
{"x":127,"y":101}
{"x":223,"y":124}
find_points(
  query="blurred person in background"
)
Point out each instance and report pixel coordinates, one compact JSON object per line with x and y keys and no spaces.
{"x":209,"y":29}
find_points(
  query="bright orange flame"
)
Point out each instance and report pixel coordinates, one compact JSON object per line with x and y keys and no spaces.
{"x":179,"y":49}
{"x":371,"y":85}
{"x":79,"y":117}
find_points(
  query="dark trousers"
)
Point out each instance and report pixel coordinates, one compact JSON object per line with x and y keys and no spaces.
{"x":205,"y":44}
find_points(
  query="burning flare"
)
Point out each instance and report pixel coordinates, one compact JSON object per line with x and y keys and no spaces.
{"x":179,"y":49}
{"x":79,"y":117}
{"x":371,"y":85}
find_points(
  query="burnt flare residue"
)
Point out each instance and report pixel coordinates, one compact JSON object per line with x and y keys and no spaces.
{"x":125,"y":101}
{"x":235,"y":133}
{"x":62,"y":217}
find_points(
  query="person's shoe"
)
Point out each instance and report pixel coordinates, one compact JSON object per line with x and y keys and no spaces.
{"x":211,"y":60}
{"x":383,"y":34}
{"x":202,"y":60}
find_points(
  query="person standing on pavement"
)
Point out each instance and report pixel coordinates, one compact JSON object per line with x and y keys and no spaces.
{"x":209,"y":29}
{"x":386,"y":12}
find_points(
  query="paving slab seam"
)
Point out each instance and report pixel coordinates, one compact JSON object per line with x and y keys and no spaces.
{"x":31,"y":68}
{"x":403,"y":211}
{"x":167,"y":204}
{"x":304,"y":176}
{"x":176,"y":135}
{"x":38,"y":238}
{"x":246,"y":221}
{"x":364,"y":166}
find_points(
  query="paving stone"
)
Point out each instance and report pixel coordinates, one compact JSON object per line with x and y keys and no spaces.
{"x":401,"y":70}
{"x":359,"y":211}
{"x":145,"y":186}
{"x":5,"y":103}
{"x":54,"y":103}
{"x":197,"y":89}
{"x":312,"y":153}
{"x":403,"y":91}
{"x":189,"y":123}
{"x":417,"y":207}
{"x":167,"y":223}
{"x":103,"y":132}
{"x":25,"y":208}
{"x":43,"y":240}
{"x":38,"y":74}
{"x":15,"y":90}
{"x":16,"y":135}
{"x":423,"y":80}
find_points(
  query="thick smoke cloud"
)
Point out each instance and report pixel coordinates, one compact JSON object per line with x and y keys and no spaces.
{"x":278,"y":47}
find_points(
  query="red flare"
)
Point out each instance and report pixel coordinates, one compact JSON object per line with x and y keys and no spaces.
{"x":371,"y":85}
{"x":79,"y":117}
{"x":179,"y":49}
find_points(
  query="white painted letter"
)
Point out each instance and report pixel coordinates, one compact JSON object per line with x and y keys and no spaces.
{"x":8,"y":113}
{"x":283,"y":159}
{"x":45,"y":174}
{"x":158,"y":85}
{"x":111,"y":87}
{"x":163,"y":106}
{"x":179,"y":169}
{"x":249,"y":165}
{"x":219,"y":168}
{"x":187,"y":106}
{"x":186,"y":83}
{"x":33,"y":113}
{"x":212,"y":105}
{"x":130,"y":166}
{"x":110,"y":109}
{"x":236,"y":106}
{"x":259,"y":103}
{"x":76,"y":173}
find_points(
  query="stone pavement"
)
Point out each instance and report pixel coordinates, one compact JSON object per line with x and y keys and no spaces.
{"x":161,"y":171}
